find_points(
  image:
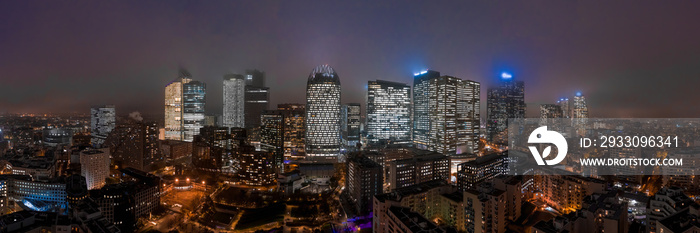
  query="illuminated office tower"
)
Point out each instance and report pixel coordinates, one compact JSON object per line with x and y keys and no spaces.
{"x":257,"y":97}
{"x":579,"y":107}
{"x":94,"y":166}
{"x":294,"y":128}
{"x":503,"y":102}
{"x":550,"y":111}
{"x":102,"y":121}
{"x":421,"y":109}
{"x":323,"y":133}
{"x":388,"y":112}
{"x":451,"y":124}
{"x":351,"y":124}
{"x":174,"y":106}
{"x":272,"y":135}
{"x":194,"y":98}
{"x":234,"y":94}
{"x":565,"y":107}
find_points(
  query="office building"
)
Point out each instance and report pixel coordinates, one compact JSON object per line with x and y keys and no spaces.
{"x":257,"y":97}
{"x":294,"y":128}
{"x":29,"y":194}
{"x":174,"y":128}
{"x":364,"y":180}
{"x":505,"y":101}
{"x":565,"y":107}
{"x":272,"y":135}
{"x":323,"y":133}
{"x":388,"y":113}
{"x":446,"y":113}
{"x":257,"y":167}
{"x":94,"y":166}
{"x":485,"y":168}
{"x":351,"y":125}
{"x":549,"y":111}
{"x":234,"y":100}
{"x":184,"y":107}
{"x":430,"y":200}
{"x":102,"y":122}
{"x":419,"y":169}
{"x":194,"y":99}
{"x":134,"y":144}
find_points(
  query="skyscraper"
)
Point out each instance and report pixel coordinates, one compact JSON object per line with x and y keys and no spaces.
{"x":173,"y":106}
{"x":234,"y":100}
{"x":388,"y":112}
{"x":194,"y":98}
{"x":364,"y":180}
{"x":449,"y":108}
{"x":579,"y":108}
{"x":550,"y":111}
{"x":294,"y":128}
{"x":351,"y":124}
{"x":565,"y":107}
{"x":257,"y":97}
{"x":503,"y":102}
{"x":421,"y":109}
{"x":102,"y":121}
{"x":323,"y":133}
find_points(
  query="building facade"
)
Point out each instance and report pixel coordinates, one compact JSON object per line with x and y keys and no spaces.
{"x":388,"y":112}
{"x":323,"y":121}
{"x":449,"y":114}
{"x":234,"y":100}
{"x":102,"y":122}
{"x":94,"y":166}
{"x":503,"y":102}
{"x":257,"y":98}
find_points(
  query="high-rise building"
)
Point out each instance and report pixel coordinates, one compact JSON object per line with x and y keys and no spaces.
{"x":94,"y":166}
{"x":294,"y":128}
{"x":257,"y":97}
{"x":505,"y":101}
{"x":446,"y":113}
{"x":388,"y":112}
{"x":351,"y":124}
{"x":548,"y":111}
{"x":323,"y":121}
{"x":364,"y":180}
{"x":272,"y":134}
{"x":234,"y":100}
{"x":579,"y":107}
{"x":134,"y":144}
{"x":565,"y":107}
{"x":194,"y":98}
{"x":174,"y":106}
{"x":257,"y":167}
{"x":184,"y":107}
{"x":102,"y":121}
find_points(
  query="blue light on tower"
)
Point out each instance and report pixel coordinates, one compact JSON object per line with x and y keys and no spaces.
{"x":420,"y":73}
{"x":506,"y":75}
{"x":578,"y":93}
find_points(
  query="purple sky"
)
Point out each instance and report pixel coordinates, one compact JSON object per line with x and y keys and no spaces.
{"x":631,"y":59}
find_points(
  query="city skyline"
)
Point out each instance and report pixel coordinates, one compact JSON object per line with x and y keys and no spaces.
{"x":555,"y":51}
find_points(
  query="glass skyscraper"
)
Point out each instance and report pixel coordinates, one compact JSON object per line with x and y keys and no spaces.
{"x":323,"y":121}
{"x":194,"y":98}
{"x":388,"y":112}
{"x":503,"y":102}
{"x":234,"y":94}
{"x":449,"y":112}
{"x":184,"y":107}
{"x":102,"y":122}
{"x":257,"y":97}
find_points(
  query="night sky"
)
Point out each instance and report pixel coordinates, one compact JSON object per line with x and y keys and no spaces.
{"x":631,"y":59}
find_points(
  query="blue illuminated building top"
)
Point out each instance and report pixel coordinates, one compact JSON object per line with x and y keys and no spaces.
{"x":506,"y":75}
{"x":420,"y":73}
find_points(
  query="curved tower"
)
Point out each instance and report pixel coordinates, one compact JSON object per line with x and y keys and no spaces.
{"x":323,"y":133}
